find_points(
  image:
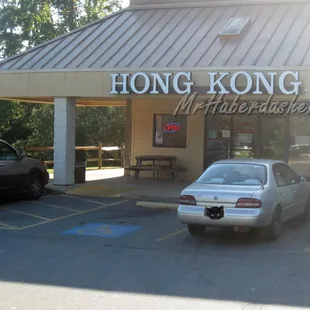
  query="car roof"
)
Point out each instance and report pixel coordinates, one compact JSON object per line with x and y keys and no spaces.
{"x":249,"y":161}
{"x":4,"y":141}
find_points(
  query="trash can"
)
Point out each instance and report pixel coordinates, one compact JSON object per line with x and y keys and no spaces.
{"x":80,"y":166}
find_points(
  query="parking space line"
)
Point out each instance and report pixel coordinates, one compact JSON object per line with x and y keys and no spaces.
{"x":73,"y":214}
{"x":178,"y":232}
{"x":62,"y":208}
{"x":27,"y":214}
{"x":6,"y":226}
{"x":84,"y":199}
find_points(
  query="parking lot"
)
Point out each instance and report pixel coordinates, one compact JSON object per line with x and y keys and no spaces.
{"x":116,"y":221}
{"x":19,"y":214}
{"x":111,"y":245}
{"x":121,"y":222}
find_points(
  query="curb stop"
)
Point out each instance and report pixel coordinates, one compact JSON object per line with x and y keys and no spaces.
{"x":157,"y":205}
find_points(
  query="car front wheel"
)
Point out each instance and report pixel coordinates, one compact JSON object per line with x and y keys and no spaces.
{"x":196,"y":229}
{"x":34,"y":186}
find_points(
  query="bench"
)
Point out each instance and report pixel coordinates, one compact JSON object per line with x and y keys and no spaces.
{"x":174,"y":171}
{"x":157,"y":169}
{"x":137,"y":169}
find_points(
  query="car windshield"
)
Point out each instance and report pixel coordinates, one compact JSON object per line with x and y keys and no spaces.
{"x":234,"y":174}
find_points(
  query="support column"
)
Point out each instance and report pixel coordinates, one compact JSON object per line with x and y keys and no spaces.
{"x":128,"y":135}
{"x":64,"y":140}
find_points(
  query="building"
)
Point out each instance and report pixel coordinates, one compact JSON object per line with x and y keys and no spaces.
{"x":157,"y":54}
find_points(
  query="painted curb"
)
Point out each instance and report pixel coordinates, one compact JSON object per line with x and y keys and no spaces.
{"x":157,"y":205}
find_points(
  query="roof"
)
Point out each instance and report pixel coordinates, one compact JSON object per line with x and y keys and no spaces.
{"x":249,"y":161}
{"x":185,"y":37}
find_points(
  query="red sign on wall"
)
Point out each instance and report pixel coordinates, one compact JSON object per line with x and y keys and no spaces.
{"x":171,"y":127}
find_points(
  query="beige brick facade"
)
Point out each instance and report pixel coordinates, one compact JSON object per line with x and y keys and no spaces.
{"x":142,"y":135}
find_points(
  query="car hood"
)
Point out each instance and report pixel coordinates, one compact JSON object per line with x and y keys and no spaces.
{"x":33,"y":162}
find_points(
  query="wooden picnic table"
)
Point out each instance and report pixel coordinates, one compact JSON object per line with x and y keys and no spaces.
{"x":156,"y":159}
{"x":156,"y":165}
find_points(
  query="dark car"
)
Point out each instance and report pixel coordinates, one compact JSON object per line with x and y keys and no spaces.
{"x":19,"y":172}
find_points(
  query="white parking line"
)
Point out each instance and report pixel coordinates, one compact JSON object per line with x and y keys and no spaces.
{"x":62,"y":208}
{"x":84,"y":199}
{"x":73,"y":214}
{"x":6,"y":226}
{"x":27,"y":214}
{"x":178,"y":232}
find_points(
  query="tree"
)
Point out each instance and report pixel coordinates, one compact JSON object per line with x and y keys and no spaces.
{"x":24,"y":24}
{"x":75,"y":13}
{"x":27,"y":23}
{"x":14,"y":121}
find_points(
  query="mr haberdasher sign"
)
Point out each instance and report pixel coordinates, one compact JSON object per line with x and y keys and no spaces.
{"x":181,"y":83}
{"x":220,"y":83}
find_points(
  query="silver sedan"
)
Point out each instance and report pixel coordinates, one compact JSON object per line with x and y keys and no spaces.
{"x":245,"y":194}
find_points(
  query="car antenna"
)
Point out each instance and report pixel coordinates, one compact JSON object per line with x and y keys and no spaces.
{"x":261,"y":182}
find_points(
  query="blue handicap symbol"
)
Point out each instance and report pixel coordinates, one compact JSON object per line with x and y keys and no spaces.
{"x":102,"y":230}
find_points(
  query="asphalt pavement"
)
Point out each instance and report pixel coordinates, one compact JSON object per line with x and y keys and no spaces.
{"x":70,"y":252}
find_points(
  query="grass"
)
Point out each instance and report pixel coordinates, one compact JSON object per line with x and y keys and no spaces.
{"x":51,"y":171}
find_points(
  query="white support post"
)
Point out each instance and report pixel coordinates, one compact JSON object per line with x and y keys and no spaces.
{"x":64,"y":140}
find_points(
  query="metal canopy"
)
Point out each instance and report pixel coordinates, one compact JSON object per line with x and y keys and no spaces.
{"x":277,"y":35}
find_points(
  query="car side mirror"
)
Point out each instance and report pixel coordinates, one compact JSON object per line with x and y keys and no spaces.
{"x":21,"y":153}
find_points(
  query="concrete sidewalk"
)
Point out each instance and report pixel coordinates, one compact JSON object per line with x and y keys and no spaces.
{"x":113,"y":183}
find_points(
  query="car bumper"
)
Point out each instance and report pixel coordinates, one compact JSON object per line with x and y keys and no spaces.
{"x":46,"y":178}
{"x":232,"y":217}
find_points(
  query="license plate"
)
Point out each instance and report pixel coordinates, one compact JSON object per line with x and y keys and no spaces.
{"x":215,"y":213}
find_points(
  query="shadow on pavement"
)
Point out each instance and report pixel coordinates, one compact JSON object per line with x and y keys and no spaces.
{"x":224,"y":267}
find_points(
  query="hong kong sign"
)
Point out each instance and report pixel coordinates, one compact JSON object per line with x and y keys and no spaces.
{"x":181,"y":83}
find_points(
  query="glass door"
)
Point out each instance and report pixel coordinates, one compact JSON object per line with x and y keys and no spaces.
{"x":274,"y":138}
{"x":217,"y":138}
{"x":245,"y":136}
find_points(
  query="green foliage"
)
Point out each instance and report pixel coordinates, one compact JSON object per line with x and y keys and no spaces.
{"x":75,"y":13}
{"x":14,"y":127}
{"x":27,"y":23}
{"x":106,"y":124}
{"x":24,"y":24}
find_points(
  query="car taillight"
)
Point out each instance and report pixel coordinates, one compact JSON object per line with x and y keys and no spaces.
{"x":250,"y":203}
{"x":188,"y":200}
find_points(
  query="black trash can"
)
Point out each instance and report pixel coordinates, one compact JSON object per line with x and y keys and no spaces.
{"x":80,"y":166}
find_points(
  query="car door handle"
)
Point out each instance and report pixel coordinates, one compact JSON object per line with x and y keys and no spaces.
{"x":2,"y":165}
{"x":281,"y":194}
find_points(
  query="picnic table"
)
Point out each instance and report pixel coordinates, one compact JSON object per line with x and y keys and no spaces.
{"x":155,"y":163}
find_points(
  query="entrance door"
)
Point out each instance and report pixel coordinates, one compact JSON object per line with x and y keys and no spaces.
{"x":245,"y":142}
{"x":245,"y":136}
{"x":217,"y":138}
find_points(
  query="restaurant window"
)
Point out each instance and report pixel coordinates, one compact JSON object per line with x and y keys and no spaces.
{"x":299,"y":148}
{"x":170,"y":131}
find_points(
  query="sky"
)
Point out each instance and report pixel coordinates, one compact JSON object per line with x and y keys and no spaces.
{"x":125,"y":3}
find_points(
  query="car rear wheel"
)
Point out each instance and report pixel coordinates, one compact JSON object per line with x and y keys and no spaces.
{"x":34,"y":186}
{"x":196,"y":229}
{"x":275,"y":228}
